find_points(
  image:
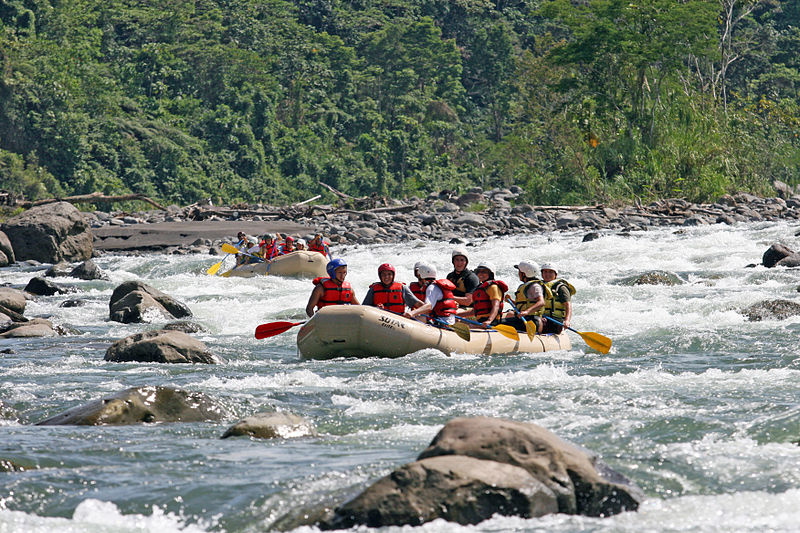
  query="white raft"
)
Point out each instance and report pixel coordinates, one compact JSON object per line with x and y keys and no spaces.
{"x":301,"y":263}
{"x":366,"y":331}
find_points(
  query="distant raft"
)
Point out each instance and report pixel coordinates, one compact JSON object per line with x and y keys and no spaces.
{"x":366,"y":331}
{"x":301,"y":263}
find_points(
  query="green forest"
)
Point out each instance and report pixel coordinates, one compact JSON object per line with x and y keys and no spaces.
{"x":261,"y":101}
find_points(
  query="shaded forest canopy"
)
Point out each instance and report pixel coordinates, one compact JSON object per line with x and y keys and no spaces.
{"x":262,"y":100}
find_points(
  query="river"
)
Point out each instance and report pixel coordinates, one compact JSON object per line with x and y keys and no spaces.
{"x":697,"y":405}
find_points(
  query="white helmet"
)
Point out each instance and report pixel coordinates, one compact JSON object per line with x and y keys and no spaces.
{"x":461,"y":252}
{"x":529,"y":268}
{"x":485,"y":265}
{"x":550,"y":266}
{"x":426,"y":271}
{"x":301,"y":241}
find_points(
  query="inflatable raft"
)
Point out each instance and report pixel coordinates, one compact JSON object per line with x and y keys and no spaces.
{"x":302,"y":263}
{"x":365,"y":331}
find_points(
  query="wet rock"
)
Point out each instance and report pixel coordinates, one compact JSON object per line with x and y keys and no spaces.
{"x":654,"y":277}
{"x":59,"y":270}
{"x":133,"y":301}
{"x":581,"y":482}
{"x":7,"y":465}
{"x":591,"y":237}
{"x":7,"y":413}
{"x":272,"y":425}
{"x":454,"y":488}
{"x":771,"y":310}
{"x":161,"y":346}
{"x":50,"y":233}
{"x":37,"y":327}
{"x":141,"y":405}
{"x":45,"y":287}
{"x":73,"y":303}
{"x":6,"y":251}
{"x":186,"y":327}
{"x":776,"y":253}
{"x":12,"y":299}
{"x":88,"y":270}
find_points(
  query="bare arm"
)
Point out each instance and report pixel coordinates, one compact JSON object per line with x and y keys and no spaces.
{"x":313,"y":300}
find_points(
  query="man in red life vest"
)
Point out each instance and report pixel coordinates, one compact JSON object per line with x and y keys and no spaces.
{"x":487,"y":298}
{"x":288,"y":245}
{"x":389,"y":294}
{"x":439,"y":302}
{"x":333,"y":290}
{"x":318,"y":245}
{"x":269,"y":248}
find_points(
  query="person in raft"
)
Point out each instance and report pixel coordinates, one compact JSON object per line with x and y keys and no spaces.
{"x":529,"y":298}
{"x":487,"y":299}
{"x":559,"y":303}
{"x":288,"y":245}
{"x":439,"y":301}
{"x":318,"y":245}
{"x":389,"y":294}
{"x":268,"y":247}
{"x":300,"y":245}
{"x":246,"y":246}
{"x":463,"y":278}
{"x":418,"y":287}
{"x":333,"y":290}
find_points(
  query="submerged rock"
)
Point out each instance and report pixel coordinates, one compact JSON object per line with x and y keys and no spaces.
{"x":654,"y":277}
{"x":141,"y":405}
{"x":161,"y":346}
{"x":45,"y":287}
{"x":771,"y":309}
{"x":272,"y":425}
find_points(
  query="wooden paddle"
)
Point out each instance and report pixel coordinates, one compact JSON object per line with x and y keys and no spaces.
{"x":270,"y":329}
{"x":506,"y":331}
{"x":601,"y":343}
{"x":530,"y":326}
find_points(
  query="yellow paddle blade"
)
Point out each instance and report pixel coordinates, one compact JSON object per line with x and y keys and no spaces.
{"x":508,"y":331}
{"x":596,"y":341}
{"x":214,"y":268}
{"x":530,"y":327}
{"x":230,"y":248}
{"x":462,"y":330}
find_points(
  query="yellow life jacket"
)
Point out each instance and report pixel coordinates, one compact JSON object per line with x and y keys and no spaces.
{"x":521,"y":298}
{"x":552,"y":307}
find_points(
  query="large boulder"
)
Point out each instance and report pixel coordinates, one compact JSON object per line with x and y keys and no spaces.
{"x":13,"y":299}
{"x":50,"y":233}
{"x":272,"y":425}
{"x":581,"y":482}
{"x":6,"y":251}
{"x":780,"y":255}
{"x":37,"y":327}
{"x":771,"y":310}
{"x":458,"y":489}
{"x":141,"y":404}
{"x":161,"y":346}
{"x":133,"y":301}
{"x":44,"y":287}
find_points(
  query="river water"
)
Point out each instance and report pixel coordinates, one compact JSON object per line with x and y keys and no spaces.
{"x":698,"y":406}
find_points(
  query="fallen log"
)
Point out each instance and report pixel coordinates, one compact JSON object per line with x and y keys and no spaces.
{"x":95,"y":197}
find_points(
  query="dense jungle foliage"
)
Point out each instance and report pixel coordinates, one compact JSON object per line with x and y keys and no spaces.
{"x":261,"y":100}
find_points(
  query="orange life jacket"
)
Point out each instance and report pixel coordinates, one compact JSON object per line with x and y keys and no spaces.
{"x":333,"y":293}
{"x":447,"y":305}
{"x":418,"y":289}
{"x":391,"y":297}
{"x":481,"y":303}
{"x":319,"y":247}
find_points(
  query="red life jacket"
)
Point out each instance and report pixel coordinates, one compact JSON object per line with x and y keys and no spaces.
{"x":481,"y":304}
{"x":271,"y":251}
{"x":287,"y":249}
{"x":418,"y":289}
{"x":447,"y":305}
{"x":319,"y":247}
{"x":333,"y":293}
{"x":390,"y":297}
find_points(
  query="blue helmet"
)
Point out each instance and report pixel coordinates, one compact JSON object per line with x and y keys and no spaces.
{"x":333,"y":265}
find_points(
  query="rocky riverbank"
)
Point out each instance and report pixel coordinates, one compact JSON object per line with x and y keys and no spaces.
{"x":472,"y":216}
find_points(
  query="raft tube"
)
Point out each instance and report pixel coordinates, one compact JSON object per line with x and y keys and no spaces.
{"x":301,"y":263}
{"x":366,"y":331}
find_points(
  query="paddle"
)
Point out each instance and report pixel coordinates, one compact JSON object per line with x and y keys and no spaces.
{"x":461,"y":330}
{"x":596,"y":341}
{"x":506,"y":331}
{"x":271,"y":329}
{"x":233,"y":250}
{"x":530,"y":327}
{"x":216,"y":266}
